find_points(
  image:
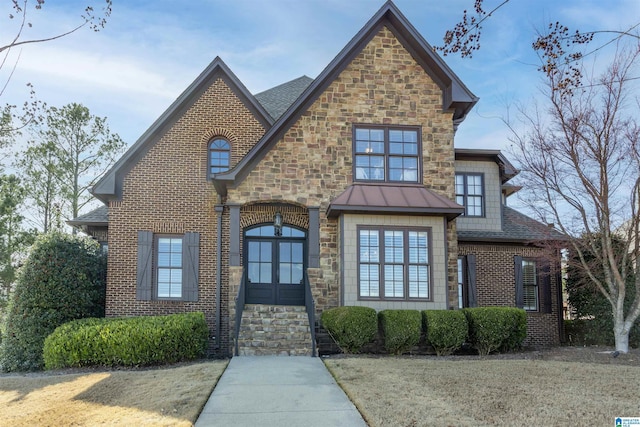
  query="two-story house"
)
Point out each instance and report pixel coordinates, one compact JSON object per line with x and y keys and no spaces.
{"x":345,"y":189}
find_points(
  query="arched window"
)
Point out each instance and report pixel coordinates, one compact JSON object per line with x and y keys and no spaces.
{"x":219,"y":155}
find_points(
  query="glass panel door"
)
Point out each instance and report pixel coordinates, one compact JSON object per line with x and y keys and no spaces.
{"x":290,"y":263}
{"x":260,"y":262}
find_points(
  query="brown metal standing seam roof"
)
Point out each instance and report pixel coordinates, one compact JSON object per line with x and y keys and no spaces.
{"x":391,"y":198}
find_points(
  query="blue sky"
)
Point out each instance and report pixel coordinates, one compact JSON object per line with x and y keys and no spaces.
{"x":150,"y":51}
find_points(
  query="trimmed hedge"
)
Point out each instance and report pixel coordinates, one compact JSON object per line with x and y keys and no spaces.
{"x":133,"y":341}
{"x":351,"y":327}
{"x":496,"y":328}
{"x":401,"y":329}
{"x":445,"y":330}
{"x":518,"y":331}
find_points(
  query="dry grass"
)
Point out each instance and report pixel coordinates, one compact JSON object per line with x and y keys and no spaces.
{"x":156,"y":397}
{"x":478,"y":392}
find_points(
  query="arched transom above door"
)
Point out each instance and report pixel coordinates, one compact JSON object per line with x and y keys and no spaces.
{"x":261,"y":213}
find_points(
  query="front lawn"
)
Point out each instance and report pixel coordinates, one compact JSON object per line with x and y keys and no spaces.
{"x":172,"y":396}
{"x":463,"y":391}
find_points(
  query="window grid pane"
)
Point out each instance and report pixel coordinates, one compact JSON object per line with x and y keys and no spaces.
{"x":369,"y":285}
{"x":461,"y":281}
{"x":290,"y":262}
{"x":259,"y":264}
{"x":169,"y":267}
{"x":418,"y":264}
{"x":393,"y":281}
{"x":399,"y":259}
{"x":530,"y":285}
{"x":219,"y":155}
{"x":469,"y":193}
{"x":386,"y":155}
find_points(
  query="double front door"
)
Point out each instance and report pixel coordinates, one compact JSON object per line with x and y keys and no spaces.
{"x":275,"y":265}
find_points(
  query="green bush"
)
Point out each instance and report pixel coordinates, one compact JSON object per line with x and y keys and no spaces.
{"x":133,"y":341}
{"x":518,"y":332}
{"x":63,"y":278}
{"x":351,"y":327}
{"x":445,"y":330}
{"x":401,"y":329}
{"x":495,"y":328}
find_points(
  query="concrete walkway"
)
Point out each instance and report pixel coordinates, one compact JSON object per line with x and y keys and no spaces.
{"x":278,"y":391}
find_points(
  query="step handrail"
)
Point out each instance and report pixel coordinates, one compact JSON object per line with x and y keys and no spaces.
{"x":311,"y":312}
{"x":240,"y":302}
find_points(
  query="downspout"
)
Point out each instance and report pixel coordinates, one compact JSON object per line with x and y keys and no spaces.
{"x":219,"y":209}
{"x":445,"y":223}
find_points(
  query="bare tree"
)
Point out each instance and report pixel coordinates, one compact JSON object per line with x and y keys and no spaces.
{"x":580,"y":157}
{"x":20,"y":28}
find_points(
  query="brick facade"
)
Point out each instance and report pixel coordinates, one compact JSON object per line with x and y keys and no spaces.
{"x":167,"y":192}
{"x":495,"y":279}
{"x":167,"y":189}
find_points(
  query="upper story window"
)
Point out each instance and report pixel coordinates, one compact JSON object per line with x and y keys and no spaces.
{"x":387,"y":154}
{"x":470,"y":193}
{"x":219,"y":155}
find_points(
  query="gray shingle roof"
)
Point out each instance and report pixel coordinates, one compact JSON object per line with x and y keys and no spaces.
{"x":277,"y":99}
{"x":98,"y":216}
{"x":516,"y":227}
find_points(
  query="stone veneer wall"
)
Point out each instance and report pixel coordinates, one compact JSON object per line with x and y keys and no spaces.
{"x":312,"y":163}
{"x":167,"y":192}
{"x":495,"y":283}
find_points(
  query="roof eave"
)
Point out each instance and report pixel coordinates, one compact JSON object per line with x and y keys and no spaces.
{"x":480,"y":239}
{"x":455,"y":94}
{"x":109,"y":186}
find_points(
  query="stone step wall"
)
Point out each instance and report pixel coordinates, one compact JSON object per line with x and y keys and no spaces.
{"x":274,"y":330}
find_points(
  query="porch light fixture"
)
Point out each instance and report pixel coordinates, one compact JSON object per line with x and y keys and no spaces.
{"x":277,"y":224}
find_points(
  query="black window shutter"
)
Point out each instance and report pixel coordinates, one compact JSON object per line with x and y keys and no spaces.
{"x":544,"y":278}
{"x":517,"y":264}
{"x":144,"y":276}
{"x":190,"y":257}
{"x":471,"y":281}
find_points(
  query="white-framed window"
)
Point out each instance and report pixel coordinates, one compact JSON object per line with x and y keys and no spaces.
{"x":394,"y":263}
{"x":530,"y":285}
{"x":169,"y":267}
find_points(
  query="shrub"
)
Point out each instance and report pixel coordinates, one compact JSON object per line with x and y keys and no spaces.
{"x":351,"y":327}
{"x":401,"y":329}
{"x":493,"y":328}
{"x":445,"y":330}
{"x":62,"y":279}
{"x":518,"y":331}
{"x":133,"y":341}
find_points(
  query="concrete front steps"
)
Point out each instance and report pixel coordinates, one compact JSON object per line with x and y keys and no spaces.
{"x":274,"y":330}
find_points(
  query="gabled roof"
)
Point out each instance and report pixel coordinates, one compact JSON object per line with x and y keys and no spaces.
{"x":516,"y":227}
{"x":401,"y":199}
{"x":97,"y":217}
{"x":507,"y":170}
{"x":110,"y":185}
{"x":277,"y":99}
{"x":456,"y":95}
